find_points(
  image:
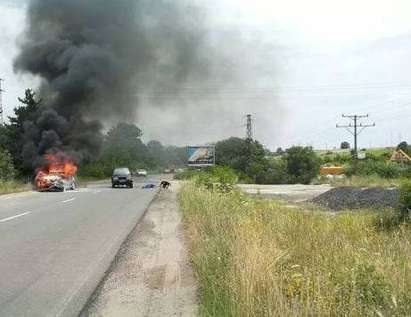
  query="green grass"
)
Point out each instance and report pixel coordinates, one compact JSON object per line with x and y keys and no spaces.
{"x":362,"y":181}
{"x":259,"y":258}
{"x":7,"y":187}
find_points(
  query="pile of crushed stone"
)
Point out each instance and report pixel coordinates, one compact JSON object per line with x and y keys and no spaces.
{"x":341,"y":198}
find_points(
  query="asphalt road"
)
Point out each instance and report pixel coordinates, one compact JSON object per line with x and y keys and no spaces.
{"x":56,"y":247}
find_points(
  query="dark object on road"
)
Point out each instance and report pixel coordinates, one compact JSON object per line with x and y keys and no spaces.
{"x":341,"y":198}
{"x":122,"y":177}
{"x":148,"y":186}
{"x":165,"y":184}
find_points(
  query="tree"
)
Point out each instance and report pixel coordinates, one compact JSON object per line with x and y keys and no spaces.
{"x":123,"y":146}
{"x":13,"y":133}
{"x":302,"y":164}
{"x":176,"y":156}
{"x":244,"y":156}
{"x":7,"y":171}
{"x":157,"y":153}
{"x":404,"y":146}
{"x":279,"y":151}
{"x":344,"y":145}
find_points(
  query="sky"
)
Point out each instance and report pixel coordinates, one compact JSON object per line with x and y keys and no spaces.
{"x":303,"y":65}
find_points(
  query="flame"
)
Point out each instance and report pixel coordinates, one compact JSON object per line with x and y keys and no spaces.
{"x":58,"y":165}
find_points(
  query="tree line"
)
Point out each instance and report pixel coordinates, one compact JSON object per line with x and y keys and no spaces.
{"x":122,"y":145}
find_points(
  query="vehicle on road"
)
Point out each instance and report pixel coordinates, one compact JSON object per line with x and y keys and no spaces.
{"x":142,"y":173}
{"x":54,"y":182}
{"x":122,"y":177}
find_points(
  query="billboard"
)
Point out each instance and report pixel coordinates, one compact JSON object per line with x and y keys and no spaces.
{"x":201,"y":155}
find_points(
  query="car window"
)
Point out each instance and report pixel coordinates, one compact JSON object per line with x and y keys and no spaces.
{"x":121,"y":171}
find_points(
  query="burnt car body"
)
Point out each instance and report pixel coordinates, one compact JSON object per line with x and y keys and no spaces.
{"x":54,"y":182}
{"x":122,"y":177}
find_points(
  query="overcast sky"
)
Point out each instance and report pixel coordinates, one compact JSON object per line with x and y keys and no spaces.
{"x":314,"y":60}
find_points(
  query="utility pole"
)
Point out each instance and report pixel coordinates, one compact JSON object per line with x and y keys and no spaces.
{"x":355,"y":125}
{"x":1,"y":104}
{"x":249,"y":131}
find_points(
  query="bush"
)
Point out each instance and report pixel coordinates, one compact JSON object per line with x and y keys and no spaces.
{"x":383,"y":169}
{"x":95,"y":170}
{"x":187,"y":174}
{"x":7,"y":171}
{"x":217,"y":178}
{"x":405,"y":200}
{"x":345,"y":145}
{"x":302,"y":164}
{"x":274,"y":173}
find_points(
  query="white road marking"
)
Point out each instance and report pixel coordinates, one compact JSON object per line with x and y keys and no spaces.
{"x":68,"y":200}
{"x":14,"y":217}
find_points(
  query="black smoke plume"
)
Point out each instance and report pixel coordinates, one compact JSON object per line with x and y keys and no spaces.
{"x":93,"y":56}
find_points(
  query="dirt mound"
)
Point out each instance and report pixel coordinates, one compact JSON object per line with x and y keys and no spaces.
{"x":355,"y":198}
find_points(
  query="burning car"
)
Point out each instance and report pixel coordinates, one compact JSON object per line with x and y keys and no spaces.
{"x":57,"y":174}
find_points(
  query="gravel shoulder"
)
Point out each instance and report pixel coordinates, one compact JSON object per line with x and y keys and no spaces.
{"x":151,"y":275}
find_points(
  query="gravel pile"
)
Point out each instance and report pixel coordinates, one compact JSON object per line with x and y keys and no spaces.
{"x":341,"y":198}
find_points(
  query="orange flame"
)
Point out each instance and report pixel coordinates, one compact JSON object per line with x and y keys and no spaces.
{"x":59,"y":164}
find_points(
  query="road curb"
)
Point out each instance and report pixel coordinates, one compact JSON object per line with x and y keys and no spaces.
{"x":79,"y":299}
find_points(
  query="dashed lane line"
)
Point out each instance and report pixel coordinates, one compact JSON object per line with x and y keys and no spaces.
{"x":14,"y":217}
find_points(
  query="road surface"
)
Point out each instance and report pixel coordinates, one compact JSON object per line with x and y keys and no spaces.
{"x":55,"y":247}
{"x":294,"y":193}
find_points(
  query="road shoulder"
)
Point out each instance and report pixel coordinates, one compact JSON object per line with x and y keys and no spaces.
{"x":151,"y":275}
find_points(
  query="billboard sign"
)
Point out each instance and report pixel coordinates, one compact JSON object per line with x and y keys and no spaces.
{"x":201,"y":155}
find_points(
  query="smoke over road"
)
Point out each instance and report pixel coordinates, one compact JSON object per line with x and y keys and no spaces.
{"x":92,"y":57}
{"x":156,"y":63}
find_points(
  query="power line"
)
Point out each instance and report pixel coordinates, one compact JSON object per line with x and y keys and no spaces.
{"x":355,"y":125}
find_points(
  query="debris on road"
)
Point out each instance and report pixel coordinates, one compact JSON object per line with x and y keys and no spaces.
{"x":341,"y":198}
{"x":148,"y":186}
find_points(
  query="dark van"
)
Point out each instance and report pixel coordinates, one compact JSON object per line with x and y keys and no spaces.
{"x":122,"y":177}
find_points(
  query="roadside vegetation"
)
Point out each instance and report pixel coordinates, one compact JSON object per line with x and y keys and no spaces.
{"x":8,"y":183}
{"x":257,"y":257}
{"x":252,"y":163}
{"x":362,"y":181}
{"x":13,"y":186}
{"x":301,"y":165}
{"x":375,"y":170}
{"x":122,"y":145}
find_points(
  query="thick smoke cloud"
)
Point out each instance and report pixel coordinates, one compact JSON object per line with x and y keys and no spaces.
{"x":93,"y":58}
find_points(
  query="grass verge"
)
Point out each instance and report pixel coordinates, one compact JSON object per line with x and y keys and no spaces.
{"x":7,"y":187}
{"x":363,"y":181}
{"x":259,"y":258}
